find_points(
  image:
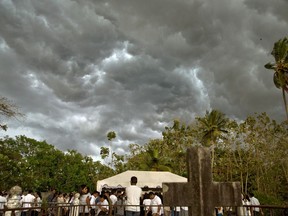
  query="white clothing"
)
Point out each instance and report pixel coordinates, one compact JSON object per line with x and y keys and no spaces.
{"x":93,"y":202}
{"x":113,"y":199}
{"x":184,"y":208}
{"x":178,"y":209}
{"x":38,"y":203}
{"x":103,"y":204}
{"x":245,"y":210}
{"x":82,"y":200}
{"x":27,"y":201}
{"x":133,"y":194}
{"x":255,"y":201}
{"x":155,"y":202}
{"x":3,"y":201}
{"x":220,"y":210}
{"x":13,"y":202}
{"x":74,"y":211}
{"x":146,"y":203}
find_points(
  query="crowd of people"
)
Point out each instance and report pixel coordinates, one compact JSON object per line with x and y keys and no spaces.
{"x":249,"y":207}
{"x":129,"y":202}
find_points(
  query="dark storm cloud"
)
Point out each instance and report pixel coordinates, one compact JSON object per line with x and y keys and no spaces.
{"x":79,"y":69}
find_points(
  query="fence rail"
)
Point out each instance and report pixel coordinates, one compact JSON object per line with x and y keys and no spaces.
{"x":54,"y":209}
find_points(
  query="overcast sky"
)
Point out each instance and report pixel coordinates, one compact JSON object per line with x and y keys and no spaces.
{"x":80,"y":68}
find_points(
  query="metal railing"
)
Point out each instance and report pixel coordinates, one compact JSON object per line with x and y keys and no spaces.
{"x":55,"y":209}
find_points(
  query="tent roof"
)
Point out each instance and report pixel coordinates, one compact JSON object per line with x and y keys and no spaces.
{"x":152,"y":179}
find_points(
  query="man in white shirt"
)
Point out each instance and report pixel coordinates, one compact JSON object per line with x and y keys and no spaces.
{"x":156,"y":204}
{"x":3,"y":201}
{"x":133,"y":194}
{"x":94,"y":199}
{"x":103,"y":205}
{"x":254,"y":202}
{"x":113,"y":196}
{"x":27,"y":202}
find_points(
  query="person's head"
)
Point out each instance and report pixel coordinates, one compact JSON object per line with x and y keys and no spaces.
{"x":146,"y":196}
{"x":53,"y":190}
{"x":113,"y":191}
{"x":133,"y":180}
{"x":84,"y":189}
{"x":102,"y":197}
{"x":76,"y":195}
{"x":16,"y":190}
{"x":106,"y":193}
{"x":251,"y":194}
{"x":38,"y":194}
{"x":95,"y":193}
{"x":119,"y":193}
{"x":151,"y":195}
{"x":246,"y":197}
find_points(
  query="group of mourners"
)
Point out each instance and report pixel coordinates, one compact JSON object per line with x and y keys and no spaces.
{"x":129,"y":202}
{"x":17,"y":200}
{"x":249,"y":207}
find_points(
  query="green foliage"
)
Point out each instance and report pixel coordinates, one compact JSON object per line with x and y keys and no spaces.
{"x":111,"y":135}
{"x":280,"y":77}
{"x":212,"y":127}
{"x":104,"y":152}
{"x":38,"y":165}
{"x":268,"y":199}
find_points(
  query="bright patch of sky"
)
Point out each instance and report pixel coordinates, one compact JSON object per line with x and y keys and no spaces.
{"x":3,"y":45}
{"x":119,"y":55}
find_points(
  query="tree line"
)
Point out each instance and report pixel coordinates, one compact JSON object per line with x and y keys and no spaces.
{"x":253,"y":152}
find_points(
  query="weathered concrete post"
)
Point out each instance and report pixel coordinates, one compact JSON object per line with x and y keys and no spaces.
{"x":200,"y":193}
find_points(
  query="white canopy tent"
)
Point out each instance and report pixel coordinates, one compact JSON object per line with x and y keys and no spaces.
{"x":150,"y":179}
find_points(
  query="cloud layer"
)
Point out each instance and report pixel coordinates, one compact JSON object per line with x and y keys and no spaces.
{"x":78,"y":69}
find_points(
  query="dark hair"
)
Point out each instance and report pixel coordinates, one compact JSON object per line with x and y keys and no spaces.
{"x":133,"y":180}
{"x":82,"y":187}
{"x":247,"y":197}
{"x":96,"y":192}
{"x":103,"y":196}
{"x":146,"y":196}
{"x":39,"y":194}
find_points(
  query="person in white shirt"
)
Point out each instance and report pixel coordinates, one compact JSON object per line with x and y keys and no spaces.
{"x":113,"y":196}
{"x":27,"y":202}
{"x":3,"y":201}
{"x":37,"y":203}
{"x":113,"y":199}
{"x":93,"y":202}
{"x":133,"y":194}
{"x":255,"y":211}
{"x":84,"y":199}
{"x":156,"y":204}
{"x":146,"y":204}
{"x":103,"y":205}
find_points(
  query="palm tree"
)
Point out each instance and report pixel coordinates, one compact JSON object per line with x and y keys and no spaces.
{"x":212,"y":128}
{"x":153,"y":157}
{"x":280,"y":66}
{"x":156,"y":162}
